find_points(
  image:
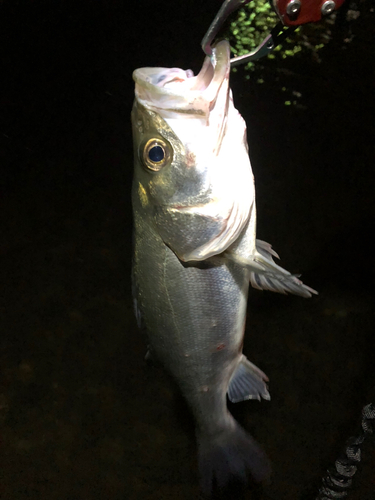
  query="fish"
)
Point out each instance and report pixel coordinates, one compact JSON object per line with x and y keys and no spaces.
{"x":196,"y":252}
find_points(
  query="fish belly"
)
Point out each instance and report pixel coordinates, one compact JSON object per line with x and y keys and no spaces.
{"x":194,"y":314}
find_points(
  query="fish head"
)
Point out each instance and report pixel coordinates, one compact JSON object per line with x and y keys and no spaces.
{"x":192,"y":176}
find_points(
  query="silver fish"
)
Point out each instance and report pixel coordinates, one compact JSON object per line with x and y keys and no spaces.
{"x":195,"y":253}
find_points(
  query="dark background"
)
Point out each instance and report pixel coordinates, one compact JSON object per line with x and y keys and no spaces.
{"x":82,"y":415}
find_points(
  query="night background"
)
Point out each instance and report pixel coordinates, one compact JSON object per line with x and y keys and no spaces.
{"x":82,"y":415}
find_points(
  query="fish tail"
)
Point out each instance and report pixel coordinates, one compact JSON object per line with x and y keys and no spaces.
{"x":230,"y":456}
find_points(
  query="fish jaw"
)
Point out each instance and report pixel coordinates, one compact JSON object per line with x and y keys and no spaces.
{"x":195,"y":107}
{"x":173,"y":90}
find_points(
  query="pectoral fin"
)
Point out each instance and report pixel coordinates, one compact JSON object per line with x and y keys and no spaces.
{"x":267,"y":275}
{"x":247,"y":382}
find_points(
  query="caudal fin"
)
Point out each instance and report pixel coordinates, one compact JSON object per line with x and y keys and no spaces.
{"x":231,"y":455}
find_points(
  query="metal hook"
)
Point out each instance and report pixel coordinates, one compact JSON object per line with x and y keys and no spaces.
{"x":226,"y":9}
{"x":276,"y":36}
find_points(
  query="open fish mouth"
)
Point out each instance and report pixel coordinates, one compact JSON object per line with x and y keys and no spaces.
{"x":173,"y":90}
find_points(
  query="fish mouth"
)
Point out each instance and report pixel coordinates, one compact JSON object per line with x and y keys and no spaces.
{"x":173,"y":90}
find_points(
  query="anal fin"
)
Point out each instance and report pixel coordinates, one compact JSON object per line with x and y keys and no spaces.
{"x":248,"y":382}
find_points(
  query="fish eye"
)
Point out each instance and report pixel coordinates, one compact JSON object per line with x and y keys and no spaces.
{"x":156,"y":154}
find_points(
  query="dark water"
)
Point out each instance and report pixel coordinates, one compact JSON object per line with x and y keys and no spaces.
{"x":82,"y":416}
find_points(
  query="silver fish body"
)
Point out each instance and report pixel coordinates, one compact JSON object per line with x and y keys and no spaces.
{"x":195,"y":253}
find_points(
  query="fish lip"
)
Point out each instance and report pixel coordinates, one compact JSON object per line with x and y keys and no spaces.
{"x":196,"y":207}
{"x":196,"y":95}
{"x":178,"y":207}
{"x":184,"y":208}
